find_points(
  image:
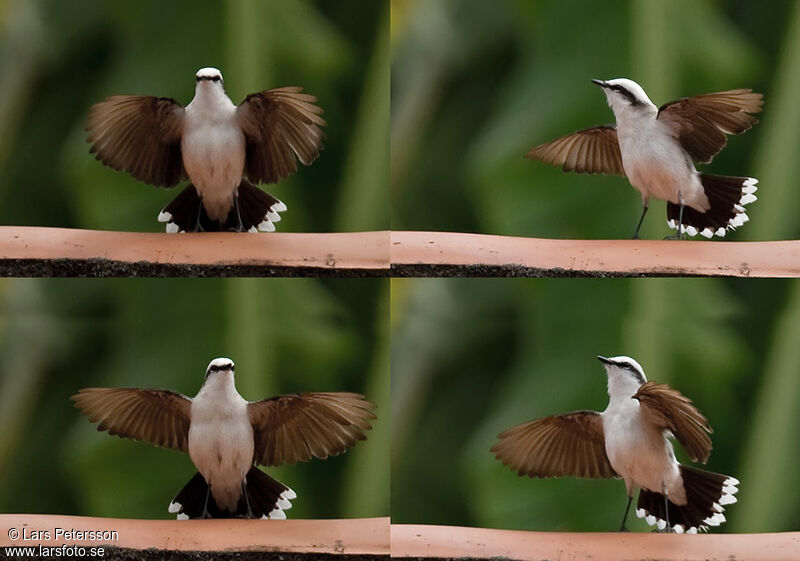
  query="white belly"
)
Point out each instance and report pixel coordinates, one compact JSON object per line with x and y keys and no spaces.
{"x":657,"y":166}
{"x":213,"y":155}
{"x":640,"y":454}
{"x":221,"y":447}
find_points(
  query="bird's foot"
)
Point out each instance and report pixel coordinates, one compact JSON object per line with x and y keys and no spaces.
{"x":623,"y":528}
{"x":636,"y":237}
{"x":676,"y":236}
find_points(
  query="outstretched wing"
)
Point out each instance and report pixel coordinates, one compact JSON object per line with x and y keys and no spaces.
{"x":140,"y":135}
{"x":701,"y":123}
{"x":160,"y":417}
{"x":295,"y":428}
{"x":570,"y":444}
{"x":594,"y":150}
{"x":280,"y":126}
{"x":671,"y":410}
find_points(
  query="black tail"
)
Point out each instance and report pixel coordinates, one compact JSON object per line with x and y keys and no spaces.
{"x":254,"y":211}
{"x":184,"y":212}
{"x":727,"y":196}
{"x":268,"y":498}
{"x":258,"y":209}
{"x":706,"y":495}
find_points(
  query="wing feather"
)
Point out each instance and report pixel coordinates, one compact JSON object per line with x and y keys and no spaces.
{"x":701,"y":123}
{"x":593,"y":150}
{"x":160,"y":417}
{"x":295,"y":428}
{"x":140,"y":135}
{"x":570,"y":444}
{"x":672,"y":411}
{"x":280,"y":126}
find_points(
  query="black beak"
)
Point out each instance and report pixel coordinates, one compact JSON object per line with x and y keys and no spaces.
{"x":600,"y":83}
{"x":604,"y":360}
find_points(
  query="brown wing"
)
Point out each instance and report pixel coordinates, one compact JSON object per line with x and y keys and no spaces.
{"x":295,"y":428}
{"x":140,"y":135}
{"x":700,"y":123}
{"x":570,"y":444}
{"x":594,"y":150}
{"x":670,"y":410}
{"x":159,"y":417}
{"x":280,"y":126}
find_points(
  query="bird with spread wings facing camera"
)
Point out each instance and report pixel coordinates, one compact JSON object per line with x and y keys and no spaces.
{"x":222,"y":148}
{"x":227,"y":436}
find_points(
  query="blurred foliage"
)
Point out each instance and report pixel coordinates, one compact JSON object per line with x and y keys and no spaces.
{"x":56,"y":60}
{"x":471,"y":358}
{"x":475,"y":85}
{"x":62,"y":335}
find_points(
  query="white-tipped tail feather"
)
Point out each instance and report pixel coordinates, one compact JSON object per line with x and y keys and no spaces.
{"x":704,"y":508}
{"x":254,"y":211}
{"x":272,"y":216}
{"x":283,"y":503}
{"x":734,"y":216}
{"x":265,"y":498}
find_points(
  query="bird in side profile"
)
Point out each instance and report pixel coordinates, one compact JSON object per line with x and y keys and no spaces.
{"x":630,"y":439}
{"x":223,"y":149}
{"x":226,"y":436}
{"x":656,"y":149}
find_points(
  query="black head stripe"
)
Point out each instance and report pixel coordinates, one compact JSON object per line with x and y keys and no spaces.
{"x":633,"y":370}
{"x":629,"y":95}
{"x":218,"y":367}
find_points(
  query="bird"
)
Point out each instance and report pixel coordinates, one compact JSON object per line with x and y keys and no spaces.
{"x":227,"y":436}
{"x":222,"y":148}
{"x":631,"y":440}
{"x":657,"y":148}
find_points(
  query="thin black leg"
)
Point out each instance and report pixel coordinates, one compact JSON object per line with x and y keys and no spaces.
{"x":247,"y":500}
{"x":238,"y":213}
{"x":666,"y":513}
{"x":679,"y":235}
{"x":205,"y":505}
{"x":197,"y":226}
{"x":623,"y":528}
{"x":641,"y":219}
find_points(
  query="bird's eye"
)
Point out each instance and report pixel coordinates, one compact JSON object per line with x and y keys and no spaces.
{"x":215,"y":78}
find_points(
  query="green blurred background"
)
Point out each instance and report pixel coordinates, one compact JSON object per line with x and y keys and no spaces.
{"x":473,"y":357}
{"x":58,"y":58}
{"x":285,"y":335}
{"x":476,"y":84}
